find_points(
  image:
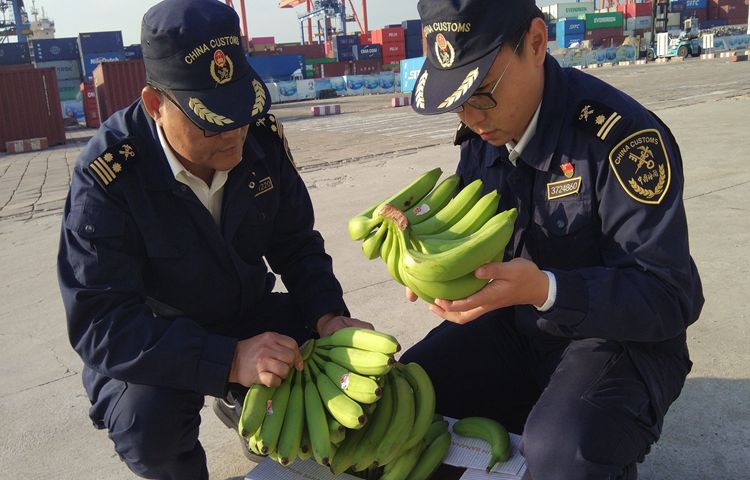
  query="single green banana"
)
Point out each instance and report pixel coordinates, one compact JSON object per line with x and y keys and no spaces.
{"x":361,"y":225}
{"x":438,"y":417}
{"x":480,"y":213}
{"x":358,"y":387}
{"x":305,"y":446}
{"x":431,"y":458}
{"x":401,"y":423}
{"x":317,"y":423}
{"x":388,"y":242}
{"x":424,"y":397}
{"x":436,"y":429}
{"x":451,"y":213}
{"x":489,"y":430}
{"x":394,"y":256}
{"x":336,"y":431}
{"x":362,"y":338}
{"x":358,"y":361}
{"x":275,"y":413}
{"x":401,"y":466}
{"x":254,"y":408}
{"x":345,"y":456}
{"x":342,"y":408}
{"x":252,"y":443}
{"x":455,"y":289}
{"x":373,"y":243}
{"x":294,"y":423}
{"x":434,"y":201}
{"x":375,"y":429}
{"x":479,"y":249}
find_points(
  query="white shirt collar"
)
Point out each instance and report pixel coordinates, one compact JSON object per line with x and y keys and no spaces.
{"x":178,"y":169}
{"x":516,"y":149}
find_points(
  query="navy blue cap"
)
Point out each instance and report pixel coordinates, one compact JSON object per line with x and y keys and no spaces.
{"x":463,"y":40}
{"x":193,"y":48}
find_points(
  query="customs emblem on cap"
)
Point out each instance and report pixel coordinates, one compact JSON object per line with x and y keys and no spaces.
{"x":222,"y":67}
{"x":444,"y":51}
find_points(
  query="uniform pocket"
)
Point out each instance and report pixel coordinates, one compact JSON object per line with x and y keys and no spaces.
{"x":565,"y":234}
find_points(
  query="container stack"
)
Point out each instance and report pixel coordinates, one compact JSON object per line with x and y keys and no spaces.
{"x":117,"y":85}
{"x":62,"y":54}
{"x":413,"y":38}
{"x":273,"y":68}
{"x":570,"y":31}
{"x":604,"y":29}
{"x":99,"y":47}
{"x":343,"y":47}
{"x":393,"y":43}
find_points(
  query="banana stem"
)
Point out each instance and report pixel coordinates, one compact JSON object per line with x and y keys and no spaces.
{"x":396,"y":216}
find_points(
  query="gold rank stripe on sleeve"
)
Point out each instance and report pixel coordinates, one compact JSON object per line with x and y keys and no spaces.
{"x":608,"y":125}
{"x":103,"y":171}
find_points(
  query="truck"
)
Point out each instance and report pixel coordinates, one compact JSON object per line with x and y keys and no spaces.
{"x":664,"y":45}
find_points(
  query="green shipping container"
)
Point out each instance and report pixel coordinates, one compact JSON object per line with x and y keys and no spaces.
{"x":595,"y":21}
{"x":319,"y":61}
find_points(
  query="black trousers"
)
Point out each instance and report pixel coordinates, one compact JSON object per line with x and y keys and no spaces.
{"x":155,"y":429}
{"x":586,"y":409}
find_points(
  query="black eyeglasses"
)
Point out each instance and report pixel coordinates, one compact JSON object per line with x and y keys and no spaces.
{"x":206,"y":133}
{"x":485,"y":100}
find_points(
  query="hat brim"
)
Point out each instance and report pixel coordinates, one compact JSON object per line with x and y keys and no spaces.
{"x":226,"y":107}
{"x":442,"y":91}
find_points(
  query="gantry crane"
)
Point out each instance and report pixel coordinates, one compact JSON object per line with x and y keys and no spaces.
{"x":13,"y":21}
{"x":328,"y":10}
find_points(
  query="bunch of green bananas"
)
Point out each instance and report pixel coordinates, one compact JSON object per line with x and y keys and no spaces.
{"x":432,"y":238}
{"x":352,"y":408}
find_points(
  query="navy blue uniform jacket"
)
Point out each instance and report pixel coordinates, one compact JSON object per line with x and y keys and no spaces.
{"x":599,"y":193}
{"x":152,"y":287}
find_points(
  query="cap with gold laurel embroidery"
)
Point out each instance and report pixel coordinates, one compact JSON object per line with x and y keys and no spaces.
{"x":463,"y":40}
{"x":193,"y":49}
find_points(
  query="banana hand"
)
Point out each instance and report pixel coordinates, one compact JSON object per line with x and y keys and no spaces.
{"x":491,"y":432}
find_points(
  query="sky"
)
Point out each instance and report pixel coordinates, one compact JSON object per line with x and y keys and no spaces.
{"x":264,"y":18}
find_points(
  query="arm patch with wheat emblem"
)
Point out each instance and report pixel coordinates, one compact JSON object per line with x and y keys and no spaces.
{"x":641,"y":164}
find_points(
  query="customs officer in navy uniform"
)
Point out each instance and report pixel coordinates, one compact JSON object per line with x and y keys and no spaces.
{"x":175,"y":207}
{"x":578,"y":343}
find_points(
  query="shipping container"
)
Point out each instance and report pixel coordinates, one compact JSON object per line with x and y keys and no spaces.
{"x":394,"y":50}
{"x":551,"y":31}
{"x":559,"y":11}
{"x":30,"y":106}
{"x":14,"y":53}
{"x":55,"y":49}
{"x":412,"y":27}
{"x":677,"y":6}
{"x":570,"y":26}
{"x":335,"y":69}
{"x":565,"y":41}
{"x":635,"y":9}
{"x":273,"y":68}
{"x":368,"y":52}
{"x":313,"y":50}
{"x":69,"y":89}
{"x":603,"y":20}
{"x":638,"y":23}
{"x":118,"y":84}
{"x":362,"y":67}
{"x":365,"y":38}
{"x":100,"y":42}
{"x":65,"y":69}
{"x":263,"y":40}
{"x":16,"y":68}
{"x":388,"y":35}
{"x":409,"y":73}
{"x":134,"y":52}
{"x":413,"y":46}
{"x":696,"y":4}
{"x":92,"y":60}
{"x":90,"y":107}
{"x":342,"y":47}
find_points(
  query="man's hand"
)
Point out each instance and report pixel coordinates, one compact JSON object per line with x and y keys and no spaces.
{"x":517,"y":282}
{"x":329,"y":323}
{"x":266,"y":359}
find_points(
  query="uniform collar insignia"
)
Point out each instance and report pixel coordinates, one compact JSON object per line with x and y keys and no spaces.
{"x":597,"y":119}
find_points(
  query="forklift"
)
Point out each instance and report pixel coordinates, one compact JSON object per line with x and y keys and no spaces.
{"x":663,"y":45}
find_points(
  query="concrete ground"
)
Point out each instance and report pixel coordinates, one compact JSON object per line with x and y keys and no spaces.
{"x":349,"y":162}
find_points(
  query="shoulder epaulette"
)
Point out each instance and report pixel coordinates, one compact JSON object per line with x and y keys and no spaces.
{"x":270,"y":122}
{"x":111,"y":164}
{"x":463,"y":133}
{"x":598,"y":119}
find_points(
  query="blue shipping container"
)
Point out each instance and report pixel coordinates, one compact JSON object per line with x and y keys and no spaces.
{"x":696,"y":4}
{"x":134,"y":52}
{"x":412,"y":27}
{"x":410,"y":69}
{"x":677,"y":6}
{"x":551,"y":31}
{"x":571,"y":26}
{"x":90,"y":61}
{"x":277,"y":68}
{"x":100,"y":42}
{"x":14,"y":53}
{"x":342,"y":47}
{"x":55,"y":49}
{"x":367,"y":52}
{"x":565,"y":41}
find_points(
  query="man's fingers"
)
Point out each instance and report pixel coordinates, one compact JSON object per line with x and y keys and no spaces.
{"x":286,"y":342}
{"x":269,"y":379}
{"x":274,"y":366}
{"x":410,"y":296}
